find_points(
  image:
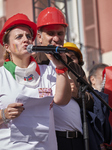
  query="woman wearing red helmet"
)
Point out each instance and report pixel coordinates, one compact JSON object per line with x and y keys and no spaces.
{"x":27,"y":90}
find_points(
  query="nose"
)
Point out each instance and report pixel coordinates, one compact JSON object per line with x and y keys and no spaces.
{"x":25,"y":38}
{"x":56,"y":38}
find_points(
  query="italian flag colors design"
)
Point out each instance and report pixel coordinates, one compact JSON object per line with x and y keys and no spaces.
{"x":28,"y":76}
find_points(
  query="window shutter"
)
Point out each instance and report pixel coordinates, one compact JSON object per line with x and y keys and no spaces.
{"x":90,"y":32}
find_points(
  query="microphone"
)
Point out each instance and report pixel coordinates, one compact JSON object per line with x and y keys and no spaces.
{"x":46,"y":49}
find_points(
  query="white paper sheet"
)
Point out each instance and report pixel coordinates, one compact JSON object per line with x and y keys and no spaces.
{"x":33,"y":123}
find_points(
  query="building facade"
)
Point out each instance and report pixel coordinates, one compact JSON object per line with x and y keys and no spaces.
{"x":89,"y":24}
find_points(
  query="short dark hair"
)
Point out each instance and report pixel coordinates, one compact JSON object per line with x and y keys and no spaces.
{"x":93,"y":70}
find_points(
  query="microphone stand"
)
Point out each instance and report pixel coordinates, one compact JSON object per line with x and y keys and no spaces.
{"x":85,"y":125}
{"x":84,"y":86}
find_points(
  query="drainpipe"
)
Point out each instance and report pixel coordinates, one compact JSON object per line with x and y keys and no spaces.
{"x":99,"y":41}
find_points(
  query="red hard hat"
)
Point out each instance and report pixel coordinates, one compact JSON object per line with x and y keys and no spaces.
{"x":49,"y":16}
{"x":18,"y":19}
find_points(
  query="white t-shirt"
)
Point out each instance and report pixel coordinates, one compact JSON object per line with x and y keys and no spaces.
{"x":34,"y":128}
{"x":67,"y":117}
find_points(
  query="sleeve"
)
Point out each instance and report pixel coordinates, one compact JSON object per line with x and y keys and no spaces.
{"x":101,"y":113}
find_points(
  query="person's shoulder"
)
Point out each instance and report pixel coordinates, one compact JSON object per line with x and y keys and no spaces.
{"x":1,"y":68}
{"x":49,"y":69}
{"x":2,"y":71}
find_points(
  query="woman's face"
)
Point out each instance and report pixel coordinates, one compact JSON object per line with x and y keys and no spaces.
{"x":19,"y":38}
{"x":73,"y":57}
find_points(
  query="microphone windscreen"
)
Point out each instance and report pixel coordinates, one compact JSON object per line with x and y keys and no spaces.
{"x":29,"y":48}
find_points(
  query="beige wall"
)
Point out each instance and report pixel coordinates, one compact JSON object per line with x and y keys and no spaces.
{"x":107,"y":58}
{"x":2,"y":21}
{"x":1,"y":55}
{"x":21,"y":6}
{"x":98,"y":30}
{"x":105,"y":18}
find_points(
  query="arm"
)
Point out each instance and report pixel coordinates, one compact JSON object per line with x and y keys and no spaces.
{"x":63,"y":90}
{"x":89,"y":100}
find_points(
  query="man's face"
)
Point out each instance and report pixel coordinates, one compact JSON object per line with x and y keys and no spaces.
{"x":96,"y":80}
{"x":52,"y":35}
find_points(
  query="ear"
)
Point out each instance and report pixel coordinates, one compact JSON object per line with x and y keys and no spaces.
{"x":92,"y":79}
{"x":7,"y":48}
{"x":39,"y":36}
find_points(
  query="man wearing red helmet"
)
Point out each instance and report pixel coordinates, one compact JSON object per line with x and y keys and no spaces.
{"x":51,"y":25}
{"x":28,"y":90}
